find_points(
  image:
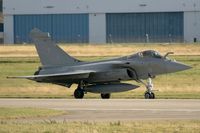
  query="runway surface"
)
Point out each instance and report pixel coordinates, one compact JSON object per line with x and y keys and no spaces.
{"x":113,"y":109}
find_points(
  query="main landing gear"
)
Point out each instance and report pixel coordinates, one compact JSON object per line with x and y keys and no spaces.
{"x":149,"y":92}
{"x":79,"y":92}
{"x":105,"y":96}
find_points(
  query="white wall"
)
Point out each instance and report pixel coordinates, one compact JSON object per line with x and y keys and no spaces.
{"x":191,"y":26}
{"x":97,"y":24}
{"x":8,"y":29}
{"x":97,"y":28}
{"x":97,"y":6}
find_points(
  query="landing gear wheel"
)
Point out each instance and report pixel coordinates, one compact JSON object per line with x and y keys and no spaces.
{"x":149,"y":86}
{"x":149,"y":95}
{"x":105,"y":96}
{"x":152,"y":95}
{"x":78,"y":93}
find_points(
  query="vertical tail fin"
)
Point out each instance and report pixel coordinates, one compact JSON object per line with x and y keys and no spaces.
{"x":50,"y":54}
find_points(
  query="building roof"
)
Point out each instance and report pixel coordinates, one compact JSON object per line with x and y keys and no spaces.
{"x":97,"y":6}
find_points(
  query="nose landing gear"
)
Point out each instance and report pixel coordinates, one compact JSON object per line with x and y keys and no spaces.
{"x":149,"y":92}
{"x":149,"y":95}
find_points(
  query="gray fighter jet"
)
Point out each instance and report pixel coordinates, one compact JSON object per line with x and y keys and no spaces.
{"x":104,"y":77}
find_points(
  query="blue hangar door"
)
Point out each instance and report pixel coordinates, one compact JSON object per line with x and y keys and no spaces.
{"x":144,"y":27}
{"x":64,"y":28}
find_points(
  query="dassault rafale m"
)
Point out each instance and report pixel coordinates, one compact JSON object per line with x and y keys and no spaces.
{"x":103,"y":77}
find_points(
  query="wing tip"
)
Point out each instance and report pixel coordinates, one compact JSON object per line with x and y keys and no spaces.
{"x":10,"y":77}
{"x":19,"y":77}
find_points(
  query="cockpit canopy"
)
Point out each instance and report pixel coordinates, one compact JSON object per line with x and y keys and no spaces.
{"x":148,"y":53}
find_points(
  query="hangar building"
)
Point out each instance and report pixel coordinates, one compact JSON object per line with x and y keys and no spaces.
{"x":101,"y":21}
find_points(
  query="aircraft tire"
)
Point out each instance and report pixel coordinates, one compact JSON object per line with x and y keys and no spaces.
{"x":105,"y":96}
{"x":78,"y":93}
{"x":152,"y":95}
{"x":149,"y":95}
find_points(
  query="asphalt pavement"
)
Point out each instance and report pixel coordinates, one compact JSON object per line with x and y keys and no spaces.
{"x":113,"y":109}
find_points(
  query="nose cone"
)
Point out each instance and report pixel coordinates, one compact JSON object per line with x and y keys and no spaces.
{"x":176,"y":66}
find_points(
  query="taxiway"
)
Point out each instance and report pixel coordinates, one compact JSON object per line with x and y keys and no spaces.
{"x":114,"y":109}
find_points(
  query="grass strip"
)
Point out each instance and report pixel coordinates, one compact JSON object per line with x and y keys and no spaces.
{"x":24,"y":113}
{"x":158,"y":126}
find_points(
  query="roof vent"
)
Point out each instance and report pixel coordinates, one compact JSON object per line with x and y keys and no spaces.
{"x":142,"y":5}
{"x":49,"y":7}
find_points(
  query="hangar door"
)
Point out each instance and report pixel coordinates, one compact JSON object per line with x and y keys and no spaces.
{"x":144,"y":27}
{"x":64,"y":28}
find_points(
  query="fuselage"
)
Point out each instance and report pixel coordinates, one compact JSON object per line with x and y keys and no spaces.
{"x":137,"y":66}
